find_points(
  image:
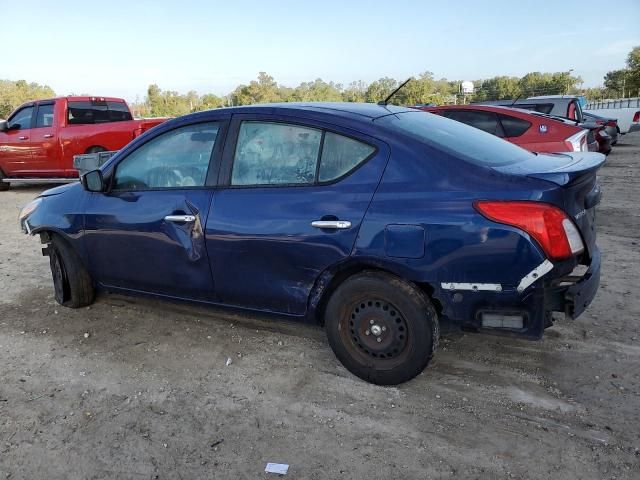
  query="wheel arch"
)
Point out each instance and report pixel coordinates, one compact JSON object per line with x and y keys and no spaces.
{"x":95,"y":149}
{"x":329,"y":281}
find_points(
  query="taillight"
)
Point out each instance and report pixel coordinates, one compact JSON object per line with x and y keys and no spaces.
{"x":577,"y":142}
{"x":554,"y":231}
{"x":636,"y":117}
{"x":613,"y":123}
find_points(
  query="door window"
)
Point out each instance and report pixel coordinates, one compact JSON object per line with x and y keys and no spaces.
{"x":283,"y":154}
{"x":22,"y":119}
{"x":487,"y":121}
{"x":275,"y":154}
{"x":175,"y":159}
{"x":44,"y":118}
{"x":340,"y":155}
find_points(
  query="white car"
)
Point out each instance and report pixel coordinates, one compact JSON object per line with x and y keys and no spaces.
{"x":625,"y":110}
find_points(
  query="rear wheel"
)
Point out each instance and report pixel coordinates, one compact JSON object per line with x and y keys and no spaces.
{"x":382,"y":328}
{"x":72,"y":284}
{"x":96,"y":149}
{"x":4,"y":186}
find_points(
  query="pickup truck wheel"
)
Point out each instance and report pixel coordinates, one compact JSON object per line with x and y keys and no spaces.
{"x":96,"y":150}
{"x":4,"y":186}
{"x":72,"y":283}
{"x":383,"y":329}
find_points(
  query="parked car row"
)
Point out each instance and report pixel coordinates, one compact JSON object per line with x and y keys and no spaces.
{"x":40,"y":139}
{"x":377,"y":222}
{"x":539,"y":124}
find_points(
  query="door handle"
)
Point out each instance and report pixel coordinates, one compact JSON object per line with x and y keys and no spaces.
{"x":333,"y":224}
{"x":48,"y":135}
{"x":23,"y":138}
{"x":180,"y":218}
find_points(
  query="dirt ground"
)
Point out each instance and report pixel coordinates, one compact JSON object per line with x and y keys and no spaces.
{"x":138,"y":388}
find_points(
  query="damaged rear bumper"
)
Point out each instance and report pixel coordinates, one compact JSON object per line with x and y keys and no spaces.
{"x":522,"y":310}
{"x":572,"y":295}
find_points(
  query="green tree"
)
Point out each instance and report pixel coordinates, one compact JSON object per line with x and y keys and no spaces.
{"x":15,"y":93}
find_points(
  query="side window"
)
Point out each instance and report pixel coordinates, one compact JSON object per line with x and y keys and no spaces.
{"x":175,"y":159}
{"x":275,"y":154}
{"x":486,"y":121}
{"x":512,"y":126}
{"x":44,"y":118}
{"x":21,"y":120}
{"x":340,"y":155}
{"x":83,"y":113}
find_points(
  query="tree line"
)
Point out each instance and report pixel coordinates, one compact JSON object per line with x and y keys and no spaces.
{"x":423,"y":89}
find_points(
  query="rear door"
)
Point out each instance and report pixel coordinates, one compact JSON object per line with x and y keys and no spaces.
{"x":15,"y":148}
{"x":292,"y":198}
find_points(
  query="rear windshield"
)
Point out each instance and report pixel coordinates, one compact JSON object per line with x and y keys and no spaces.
{"x":82,"y":113}
{"x":455,"y":138}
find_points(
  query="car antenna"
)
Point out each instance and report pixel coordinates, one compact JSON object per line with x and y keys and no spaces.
{"x":517,"y":98}
{"x":386,"y":100}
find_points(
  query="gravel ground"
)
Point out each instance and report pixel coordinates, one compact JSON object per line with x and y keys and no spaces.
{"x":139,"y":388}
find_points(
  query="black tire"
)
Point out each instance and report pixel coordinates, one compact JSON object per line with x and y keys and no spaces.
{"x":406,"y":321}
{"x":96,"y":150}
{"x":72,"y":283}
{"x":4,"y":186}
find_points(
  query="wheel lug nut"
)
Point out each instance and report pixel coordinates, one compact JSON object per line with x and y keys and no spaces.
{"x":378,"y":339}
{"x":384,"y":329}
{"x":371,"y":322}
{"x":367,"y":332}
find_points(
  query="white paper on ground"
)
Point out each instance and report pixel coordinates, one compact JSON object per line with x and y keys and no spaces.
{"x":279,"y":468}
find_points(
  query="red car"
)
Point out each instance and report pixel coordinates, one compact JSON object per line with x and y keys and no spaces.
{"x":533,"y":132}
{"x":40,"y":138}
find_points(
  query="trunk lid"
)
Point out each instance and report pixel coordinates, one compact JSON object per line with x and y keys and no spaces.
{"x":574,"y":174}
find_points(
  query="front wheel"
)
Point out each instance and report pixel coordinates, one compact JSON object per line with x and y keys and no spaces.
{"x":382,"y":328}
{"x":4,"y":186}
{"x":72,"y":283}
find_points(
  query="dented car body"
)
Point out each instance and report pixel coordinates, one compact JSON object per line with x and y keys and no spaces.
{"x":276,"y":206}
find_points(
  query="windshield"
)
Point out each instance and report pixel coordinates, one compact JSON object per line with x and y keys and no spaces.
{"x":455,"y":138}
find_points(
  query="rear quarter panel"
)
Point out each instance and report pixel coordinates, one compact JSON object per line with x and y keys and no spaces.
{"x":460,"y":245}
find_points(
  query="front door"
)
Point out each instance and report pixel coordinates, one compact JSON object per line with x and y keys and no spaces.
{"x":15,"y":148}
{"x":291,"y":204}
{"x":147,"y":232}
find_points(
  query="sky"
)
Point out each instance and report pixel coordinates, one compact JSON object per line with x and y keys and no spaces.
{"x":118,"y":48}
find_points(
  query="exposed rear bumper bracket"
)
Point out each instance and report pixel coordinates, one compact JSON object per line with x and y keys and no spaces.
{"x":541,"y":270}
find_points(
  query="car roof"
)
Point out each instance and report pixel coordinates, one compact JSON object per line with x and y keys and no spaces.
{"x":341,"y":109}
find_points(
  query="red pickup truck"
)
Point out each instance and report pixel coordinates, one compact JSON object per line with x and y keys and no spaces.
{"x":39,"y":140}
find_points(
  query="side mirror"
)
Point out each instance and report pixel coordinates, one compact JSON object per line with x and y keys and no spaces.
{"x":92,"y":181}
{"x":4,"y":125}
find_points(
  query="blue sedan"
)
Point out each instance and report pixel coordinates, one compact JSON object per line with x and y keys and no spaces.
{"x":377,"y":222}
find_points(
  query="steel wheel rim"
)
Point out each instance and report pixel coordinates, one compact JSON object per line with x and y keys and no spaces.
{"x":376,"y":331}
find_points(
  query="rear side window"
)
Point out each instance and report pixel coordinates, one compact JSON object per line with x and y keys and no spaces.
{"x":486,"y":121}
{"x":456,"y":139}
{"x":44,"y":118}
{"x":275,"y":154}
{"x":92,"y":112}
{"x":340,"y":155}
{"x":512,"y":126}
{"x":270,"y":153}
